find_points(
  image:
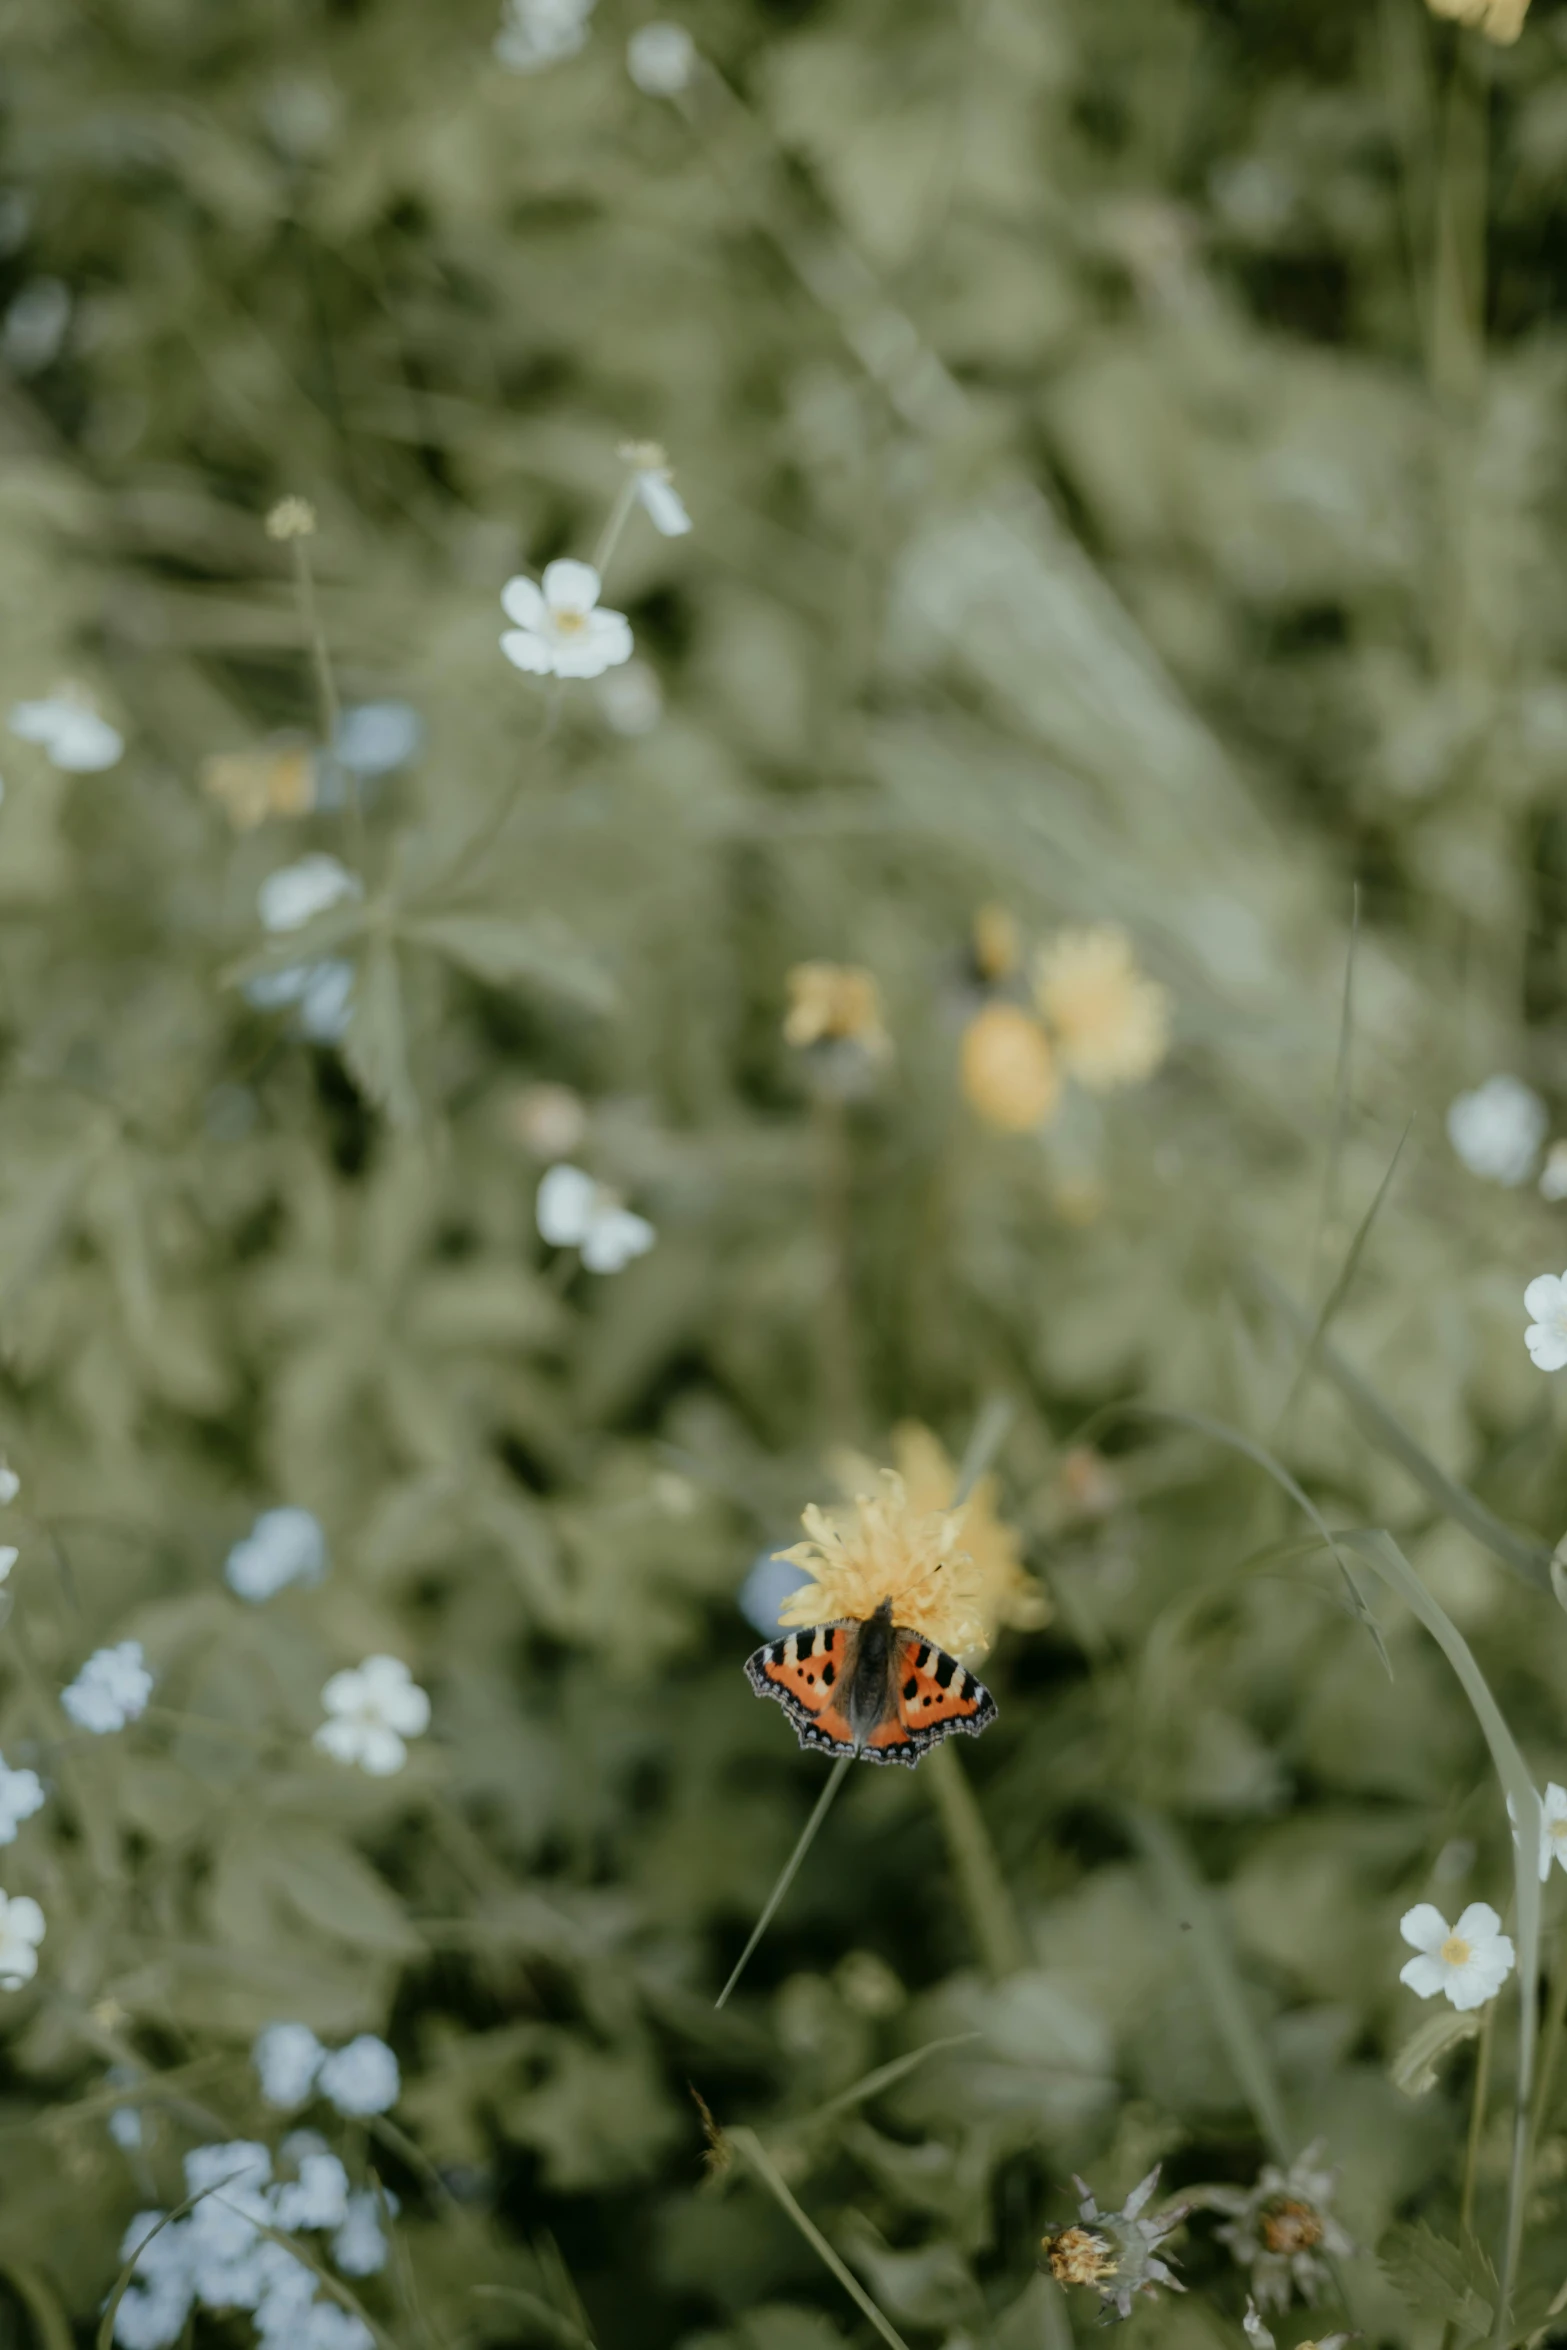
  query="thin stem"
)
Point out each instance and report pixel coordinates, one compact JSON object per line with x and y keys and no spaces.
{"x":981,"y":1886}
{"x":839,"y":1355}
{"x":1550,"y":2043}
{"x":1482,"y":2083}
{"x":609,"y":536}
{"x":747,"y":2144}
{"x":326,"y":685}
{"x":808,"y":1834}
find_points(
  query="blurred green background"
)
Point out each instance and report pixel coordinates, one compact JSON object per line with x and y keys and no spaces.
{"x":1127,"y":453}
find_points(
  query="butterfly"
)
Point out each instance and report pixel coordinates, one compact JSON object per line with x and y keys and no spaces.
{"x":870,"y":1688}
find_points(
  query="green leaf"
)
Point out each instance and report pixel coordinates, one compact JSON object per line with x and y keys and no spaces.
{"x":507,"y":949}
{"x":376,"y":1046}
{"x":1414,"y":2069}
{"x":327,"y":1883}
{"x":1439,"y":2280}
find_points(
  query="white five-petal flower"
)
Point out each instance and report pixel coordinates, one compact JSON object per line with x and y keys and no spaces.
{"x":561,"y":629}
{"x":295,"y":894}
{"x":575,"y":1212}
{"x":373,"y":1709}
{"x":1497,"y":1130}
{"x":21,"y":1931}
{"x":1546,"y":1337}
{"x":71,"y":734}
{"x":1468,"y":1963}
{"x":111,"y":1689}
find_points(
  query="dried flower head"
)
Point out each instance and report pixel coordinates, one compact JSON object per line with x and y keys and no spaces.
{"x":292,"y":518}
{"x":835,"y":1003}
{"x":1009,"y":1071}
{"x":1500,"y":20}
{"x":882,"y":1547}
{"x":1282,"y":2229}
{"x":1007,"y":1593}
{"x":1116,"y":2253}
{"x":997,"y":950}
{"x":1111,"y":1024}
{"x":277,"y":780}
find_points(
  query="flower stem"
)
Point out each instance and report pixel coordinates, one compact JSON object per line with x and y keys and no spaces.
{"x":808,"y":1835}
{"x":1550,"y":2043}
{"x":982,"y":1888}
{"x":326,"y":684}
{"x":839,"y":1357}
{"x":609,"y":536}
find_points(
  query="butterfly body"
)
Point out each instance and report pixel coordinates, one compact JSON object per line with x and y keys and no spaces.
{"x":870,"y":1688}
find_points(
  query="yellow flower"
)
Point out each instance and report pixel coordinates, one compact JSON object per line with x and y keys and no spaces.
{"x":1499,"y":20}
{"x":996,"y":949}
{"x":1007,"y":1593}
{"x":835,"y":1003}
{"x":881,"y":1547}
{"x":1009,"y":1072}
{"x":1111,"y":1025}
{"x":253,"y":785}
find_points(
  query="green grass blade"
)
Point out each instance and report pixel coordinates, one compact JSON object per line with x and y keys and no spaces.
{"x":808,"y":1835}
{"x":750,"y":2148}
{"x":886,"y":2076}
{"x":1343,"y":1279}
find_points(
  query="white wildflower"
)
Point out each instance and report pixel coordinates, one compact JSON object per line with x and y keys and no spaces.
{"x":70,"y":732}
{"x":575,"y":1212}
{"x":1553,"y":1828}
{"x":323,"y":992}
{"x":1468,"y":1962}
{"x":660,"y":59}
{"x":374,"y":1708}
{"x":539,"y":33}
{"x":359,"y":2247}
{"x":661,"y":501}
{"x":126,"y":2127}
{"x":330,"y":2327}
{"x":1546,"y":1337}
{"x":1497,"y":1130}
{"x":21,"y":1931}
{"x":297,"y":893}
{"x":1282,"y":2229}
{"x":376,"y":738}
{"x":10,"y":1484}
{"x":287,"y":2058}
{"x":21,"y":1794}
{"x":362,"y":2078}
{"x":561,"y":631}
{"x":111,"y":1689}
{"x":317,"y":2198}
{"x":283,"y":1546}
{"x":9,"y":1554}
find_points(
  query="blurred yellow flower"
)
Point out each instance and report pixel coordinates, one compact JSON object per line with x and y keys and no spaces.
{"x":835,"y":1003}
{"x":253,"y":785}
{"x":1007,"y":1594}
{"x":997,"y":951}
{"x":1111,"y":1025}
{"x":882,"y":1547}
{"x":1499,"y":20}
{"x":292,"y":518}
{"x":1009,"y":1071}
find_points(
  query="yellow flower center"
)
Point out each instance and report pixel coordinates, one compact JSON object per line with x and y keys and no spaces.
{"x":1456,"y":1951}
{"x":569,"y":621}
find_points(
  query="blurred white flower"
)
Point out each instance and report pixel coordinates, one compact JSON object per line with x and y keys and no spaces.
{"x":773,"y":1578}
{"x":1553,"y":1828}
{"x":126,"y":2127}
{"x":10,"y":1484}
{"x":111,"y":1689}
{"x":1546,"y":1337}
{"x":1553,"y":1175}
{"x":36,"y":323}
{"x":9,"y":1554}
{"x":317,"y":2198}
{"x":70,"y":733}
{"x":362,"y":2078}
{"x":21,"y":1931}
{"x":1468,"y":1963}
{"x":295,"y":894}
{"x":631,"y":699}
{"x":660,"y":59}
{"x":329,"y":2327}
{"x":324,"y":993}
{"x":539,"y":33}
{"x":376,"y":738}
{"x":654,"y":485}
{"x":287,"y":2058}
{"x":283,"y":1546}
{"x":374,"y":1708}
{"x":573,"y":1211}
{"x":21,"y":1794}
{"x":1497,"y":1130}
{"x":359,"y":2247}
{"x":561,"y":630}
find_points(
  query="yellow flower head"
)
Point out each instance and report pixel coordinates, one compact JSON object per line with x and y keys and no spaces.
{"x":1111,"y":1025}
{"x":997,"y":952}
{"x":292,"y":518}
{"x":835,"y":1003}
{"x":1007,"y":1593}
{"x":1499,"y":20}
{"x":1009,"y":1071}
{"x":881,"y":1547}
{"x":253,"y":785}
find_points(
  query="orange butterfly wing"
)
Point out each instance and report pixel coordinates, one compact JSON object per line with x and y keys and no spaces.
{"x":807,"y":1673}
{"x":934,"y":1696}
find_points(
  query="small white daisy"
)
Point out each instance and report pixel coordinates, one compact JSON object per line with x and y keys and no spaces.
{"x":1546,"y":1337}
{"x":1468,"y":1963}
{"x":21,"y":1931}
{"x":362,"y":2078}
{"x":111,"y":1689}
{"x":573,"y":1211}
{"x":374,"y":1708}
{"x":661,"y":59}
{"x":561,"y":629}
{"x":295,"y":894}
{"x":1497,"y":1130}
{"x":70,"y":733}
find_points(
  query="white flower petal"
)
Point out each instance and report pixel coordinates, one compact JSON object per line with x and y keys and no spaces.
{"x":522,"y":601}
{"x":1424,"y":1927}
{"x":615,"y":1239}
{"x":570,"y":586}
{"x":1479,"y":1923}
{"x":565,"y":1205}
{"x":528,"y":652}
{"x":1425,"y":1976}
{"x":1547,"y":1348}
{"x":665,"y":507}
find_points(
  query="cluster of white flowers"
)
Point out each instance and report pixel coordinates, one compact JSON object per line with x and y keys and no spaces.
{"x":373,"y":1709}
{"x":1468,"y":1963}
{"x":573,"y":1211}
{"x":539,"y":33}
{"x":322,"y":991}
{"x":1497,"y":1130}
{"x":111,"y":1689}
{"x":292,"y":2064}
{"x":217,"y":2258}
{"x":70,"y":732}
{"x":283,"y":1546}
